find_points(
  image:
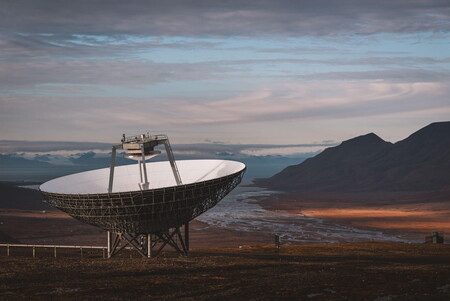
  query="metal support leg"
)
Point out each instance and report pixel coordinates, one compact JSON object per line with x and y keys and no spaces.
{"x":144,"y":169}
{"x":186,"y":237}
{"x":109,"y":244}
{"x":149,"y":245}
{"x":176,"y":174}
{"x":140,"y":170}
{"x":173,"y":238}
{"x":111,"y":169}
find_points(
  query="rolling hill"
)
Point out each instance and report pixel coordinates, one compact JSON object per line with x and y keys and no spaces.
{"x":420,"y":162}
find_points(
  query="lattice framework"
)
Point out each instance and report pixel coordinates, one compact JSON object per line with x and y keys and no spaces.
{"x":154,"y":215}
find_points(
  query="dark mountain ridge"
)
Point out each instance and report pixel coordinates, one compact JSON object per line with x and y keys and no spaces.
{"x":420,"y":162}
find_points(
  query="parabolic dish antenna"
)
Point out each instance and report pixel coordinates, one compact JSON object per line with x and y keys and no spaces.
{"x":145,"y":207}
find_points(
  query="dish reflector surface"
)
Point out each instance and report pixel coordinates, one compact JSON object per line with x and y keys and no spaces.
{"x":126,"y":177}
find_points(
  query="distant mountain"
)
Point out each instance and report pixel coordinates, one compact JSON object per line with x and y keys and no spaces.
{"x":12,"y":160}
{"x":420,"y":162}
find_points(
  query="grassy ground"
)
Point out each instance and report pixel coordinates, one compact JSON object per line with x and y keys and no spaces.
{"x":353,"y":271}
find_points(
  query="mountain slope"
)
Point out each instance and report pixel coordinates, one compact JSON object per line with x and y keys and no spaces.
{"x":368,"y":163}
{"x":420,"y":162}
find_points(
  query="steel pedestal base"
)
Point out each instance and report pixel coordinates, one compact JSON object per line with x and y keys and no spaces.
{"x":151,"y":244}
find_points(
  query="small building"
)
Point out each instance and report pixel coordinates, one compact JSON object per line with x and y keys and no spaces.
{"x":434,"y":238}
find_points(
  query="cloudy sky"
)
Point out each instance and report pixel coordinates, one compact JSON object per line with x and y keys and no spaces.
{"x":262,"y":72}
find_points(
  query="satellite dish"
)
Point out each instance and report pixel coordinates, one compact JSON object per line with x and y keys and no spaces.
{"x":146,"y":206}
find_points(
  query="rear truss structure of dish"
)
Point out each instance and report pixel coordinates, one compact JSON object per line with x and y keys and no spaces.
{"x":144,"y":211}
{"x":156,"y":213}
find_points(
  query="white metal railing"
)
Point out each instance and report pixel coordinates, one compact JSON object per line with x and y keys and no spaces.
{"x":54,"y":247}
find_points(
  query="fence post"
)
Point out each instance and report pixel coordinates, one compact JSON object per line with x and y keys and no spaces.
{"x":34,"y":252}
{"x":81,"y":252}
{"x":7,"y":250}
{"x":54,"y":251}
{"x":277,"y":245}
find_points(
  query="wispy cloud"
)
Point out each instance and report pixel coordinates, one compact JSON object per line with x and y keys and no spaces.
{"x":280,"y":102}
{"x":57,"y":149}
{"x":233,"y":71}
{"x":37,"y":45}
{"x":112,"y":72}
{"x":18,"y":146}
{"x":194,"y":18}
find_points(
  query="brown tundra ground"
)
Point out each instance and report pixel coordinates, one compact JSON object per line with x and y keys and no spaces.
{"x":349,"y":271}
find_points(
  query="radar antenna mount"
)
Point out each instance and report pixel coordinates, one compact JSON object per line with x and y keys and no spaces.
{"x":141,"y":148}
{"x":147,"y":218}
